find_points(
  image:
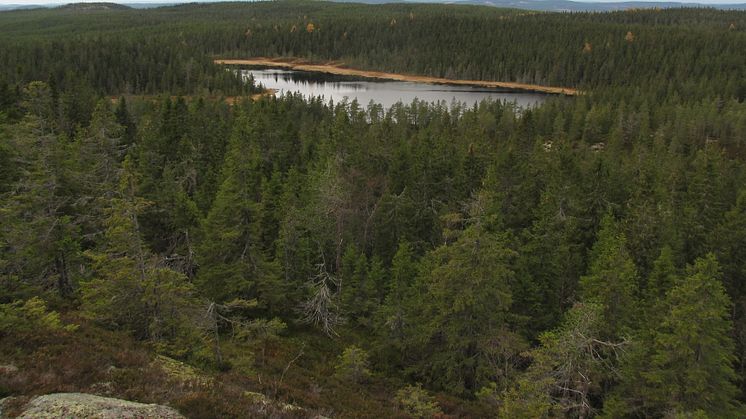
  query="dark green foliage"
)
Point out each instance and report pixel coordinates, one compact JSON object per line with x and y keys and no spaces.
{"x":683,"y":365}
{"x":532,"y":258}
{"x":231,"y":255}
{"x":128,"y":288}
{"x":693,"y":359}
{"x":464,"y":307}
{"x":612,"y":279}
{"x":360,"y":281}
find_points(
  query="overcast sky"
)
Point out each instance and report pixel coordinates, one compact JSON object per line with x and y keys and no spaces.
{"x":171,"y":1}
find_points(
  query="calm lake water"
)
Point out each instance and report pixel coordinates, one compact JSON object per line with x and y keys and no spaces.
{"x":385,"y":92}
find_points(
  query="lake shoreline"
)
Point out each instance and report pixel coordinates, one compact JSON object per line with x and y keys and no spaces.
{"x":337,"y":69}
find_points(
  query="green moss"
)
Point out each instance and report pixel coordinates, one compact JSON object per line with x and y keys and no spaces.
{"x":180,"y":371}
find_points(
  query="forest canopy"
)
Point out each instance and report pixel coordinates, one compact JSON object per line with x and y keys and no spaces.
{"x":584,"y":257}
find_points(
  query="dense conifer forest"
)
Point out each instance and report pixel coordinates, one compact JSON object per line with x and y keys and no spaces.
{"x":167,"y":236}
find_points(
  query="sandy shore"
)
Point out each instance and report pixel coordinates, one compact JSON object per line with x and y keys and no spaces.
{"x":333,"y":68}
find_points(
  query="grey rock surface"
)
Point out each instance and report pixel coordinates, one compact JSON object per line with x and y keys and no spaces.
{"x":79,"y":405}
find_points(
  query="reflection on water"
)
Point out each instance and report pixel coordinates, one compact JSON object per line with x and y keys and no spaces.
{"x":387,"y":93}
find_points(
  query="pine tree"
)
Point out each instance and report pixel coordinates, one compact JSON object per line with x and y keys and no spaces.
{"x":663,"y":277}
{"x":704,"y":202}
{"x":729,"y":242}
{"x":552,"y":252}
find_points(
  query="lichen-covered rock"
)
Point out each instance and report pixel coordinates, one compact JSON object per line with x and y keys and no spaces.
{"x":79,"y":405}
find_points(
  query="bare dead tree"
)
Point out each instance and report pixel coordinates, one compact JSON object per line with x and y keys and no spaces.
{"x":218,"y":315}
{"x":583,"y":356}
{"x":321,"y":309}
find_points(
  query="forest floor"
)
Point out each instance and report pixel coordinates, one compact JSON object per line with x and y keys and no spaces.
{"x":291,"y":377}
{"x":338,"y":69}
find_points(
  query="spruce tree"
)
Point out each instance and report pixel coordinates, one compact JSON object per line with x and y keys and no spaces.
{"x":392,"y":320}
{"x":465,"y":305}
{"x":232,"y":263}
{"x":130,"y":288}
{"x":693,"y":359}
{"x":612,"y":279}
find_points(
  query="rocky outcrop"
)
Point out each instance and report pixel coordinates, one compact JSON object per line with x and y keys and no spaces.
{"x":79,"y":405}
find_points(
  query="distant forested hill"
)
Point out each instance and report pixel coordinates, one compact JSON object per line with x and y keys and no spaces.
{"x":540,"y":5}
{"x":691,"y":50}
{"x":582,"y":6}
{"x":578,"y":6}
{"x":169,"y":236}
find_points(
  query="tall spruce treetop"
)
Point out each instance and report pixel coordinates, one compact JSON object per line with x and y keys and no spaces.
{"x":662,"y":277}
{"x":729,"y":240}
{"x":232,"y":264}
{"x":693,"y":360}
{"x":612,"y":278}
{"x":130,"y":287}
{"x":465,"y":306}
{"x":41,"y":235}
{"x":392,"y":318}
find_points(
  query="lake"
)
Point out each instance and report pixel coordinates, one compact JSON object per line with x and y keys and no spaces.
{"x":385,"y":92}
